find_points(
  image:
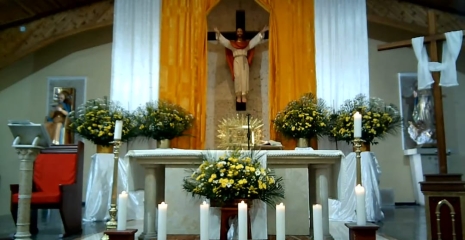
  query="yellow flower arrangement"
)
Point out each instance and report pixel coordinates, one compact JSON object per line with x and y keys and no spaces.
{"x":378,"y":119}
{"x":238,"y":175}
{"x":303,"y":118}
{"x":95,"y":121}
{"x":162,"y":120}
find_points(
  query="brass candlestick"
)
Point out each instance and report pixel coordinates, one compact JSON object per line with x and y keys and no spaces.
{"x":358,"y":150}
{"x":112,"y":223}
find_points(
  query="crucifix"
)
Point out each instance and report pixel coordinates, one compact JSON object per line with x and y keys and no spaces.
{"x":433,"y":39}
{"x":224,"y":39}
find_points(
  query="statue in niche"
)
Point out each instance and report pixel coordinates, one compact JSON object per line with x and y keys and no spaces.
{"x":239,"y":55}
{"x":422,"y":129}
{"x":55,"y":122}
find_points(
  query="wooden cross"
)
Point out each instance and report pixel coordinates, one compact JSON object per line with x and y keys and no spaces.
{"x":240,"y":23}
{"x":433,"y":38}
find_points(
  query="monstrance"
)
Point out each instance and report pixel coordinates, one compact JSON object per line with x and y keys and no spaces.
{"x":232,"y":132}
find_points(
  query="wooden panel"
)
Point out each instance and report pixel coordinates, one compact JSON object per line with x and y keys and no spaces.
{"x":452,"y":6}
{"x":445,"y":218}
{"x":45,"y":31}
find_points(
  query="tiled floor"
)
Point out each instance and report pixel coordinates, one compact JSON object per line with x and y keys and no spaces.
{"x":402,"y":223}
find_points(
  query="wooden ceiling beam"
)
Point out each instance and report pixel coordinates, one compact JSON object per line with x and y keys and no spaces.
{"x":25,"y":8}
{"x":397,"y":24}
{"x":45,"y":31}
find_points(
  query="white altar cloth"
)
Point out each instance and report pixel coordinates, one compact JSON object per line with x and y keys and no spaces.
{"x":99,"y":184}
{"x":344,"y":208}
{"x":323,"y":169}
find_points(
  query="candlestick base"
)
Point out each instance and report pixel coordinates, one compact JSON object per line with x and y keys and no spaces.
{"x":129,"y":234}
{"x":362,"y":232}
{"x":112,"y":223}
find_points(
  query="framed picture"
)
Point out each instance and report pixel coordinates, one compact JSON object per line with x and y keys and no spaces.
{"x":407,"y":86}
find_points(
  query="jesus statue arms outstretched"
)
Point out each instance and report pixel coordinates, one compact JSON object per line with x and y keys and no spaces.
{"x":239,"y":54}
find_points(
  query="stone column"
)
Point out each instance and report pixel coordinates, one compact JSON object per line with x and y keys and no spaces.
{"x":27,"y":157}
{"x":322,"y":193}
{"x":150,"y":197}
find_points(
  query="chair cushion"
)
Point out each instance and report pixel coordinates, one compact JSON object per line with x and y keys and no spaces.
{"x":52,"y":170}
{"x":40,"y":198}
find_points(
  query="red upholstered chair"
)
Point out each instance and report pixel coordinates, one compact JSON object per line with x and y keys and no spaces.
{"x":58,"y":173}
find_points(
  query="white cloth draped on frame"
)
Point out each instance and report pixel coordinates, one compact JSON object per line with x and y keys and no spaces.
{"x":342,"y":72}
{"x":344,"y":208}
{"x":450,"y":52}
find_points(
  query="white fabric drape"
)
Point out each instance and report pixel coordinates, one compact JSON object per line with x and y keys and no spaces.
{"x":341,"y":41}
{"x":136,"y":52}
{"x":450,"y":52}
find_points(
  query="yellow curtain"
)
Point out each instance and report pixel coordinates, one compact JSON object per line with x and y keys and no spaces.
{"x":183,"y":62}
{"x":291,"y":55}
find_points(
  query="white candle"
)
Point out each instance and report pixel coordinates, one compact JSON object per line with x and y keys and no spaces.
{"x":162,"y":208}
{"x":357,"y":125}
{"x":118,"y":129}
{"x":317,"y":222}
{"x":242,"y":220}
{"x":280,"y":222}
{"x":204,"y":221}
{"x":361,"y":212}
{"x":122,"y":211}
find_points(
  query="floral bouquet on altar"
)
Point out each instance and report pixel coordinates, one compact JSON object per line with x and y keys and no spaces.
{"x":307,"y":117}
{"x":162,"y":120}
{"x":95,"y":121}
{"x":238,"y":175}
{"x":378,"y":119}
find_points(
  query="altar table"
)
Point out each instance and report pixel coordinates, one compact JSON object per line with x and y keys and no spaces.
{"x":323,"y":168}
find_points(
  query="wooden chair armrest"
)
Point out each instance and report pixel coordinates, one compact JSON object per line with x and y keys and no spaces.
{"x":14,"y":188}
{"x":70,"y":192}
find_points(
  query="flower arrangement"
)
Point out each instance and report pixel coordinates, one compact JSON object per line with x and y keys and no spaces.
{"x":378,"y":119}
{"x":95,"y":121}
{"x":238,"y":175}
{"x":303,"y":118}
{"x":162,"y":120}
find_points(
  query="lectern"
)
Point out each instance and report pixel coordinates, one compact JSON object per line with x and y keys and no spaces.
{"x":29,"y":139}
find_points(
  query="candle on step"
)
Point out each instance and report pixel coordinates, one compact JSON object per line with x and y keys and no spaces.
{"x":118,"y":130}
{"x":361,"y":212}
{"x":317,"y":222}
{"x":204,"y":221}
{"x":242,"y":220}
{"x":122,"y":211}
{"x":162,"y":208}
{"x":280,"y":222}
{"x":357,"y":125}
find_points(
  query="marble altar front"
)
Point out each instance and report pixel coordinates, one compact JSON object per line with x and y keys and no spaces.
{"x":309,"y":176}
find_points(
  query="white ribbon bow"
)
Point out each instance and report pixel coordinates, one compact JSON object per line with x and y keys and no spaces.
{"x":450,"y":52}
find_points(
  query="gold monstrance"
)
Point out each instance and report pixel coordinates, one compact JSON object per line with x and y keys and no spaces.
{"x":232,"y":132}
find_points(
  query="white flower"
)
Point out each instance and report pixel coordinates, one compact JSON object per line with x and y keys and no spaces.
{"x":215,"y":181}
{"x":228,"y":185}
{"x":221,"y":174}
{"x":257,"y":173}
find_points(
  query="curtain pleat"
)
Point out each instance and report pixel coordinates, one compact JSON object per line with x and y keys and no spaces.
{"x":291,"y":56}
{"x":183,"y":63}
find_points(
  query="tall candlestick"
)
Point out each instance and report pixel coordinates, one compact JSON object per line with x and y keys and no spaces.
{"x":317,"y":222}
{"x":357,"y":125}
{"x":122,"y":211}
{"x":162,"y":208}
{"x":280,"y":222}
{"x":242,"y":220}
{"x":204,"y":221}
{"x":118,"y":130}
{"x":361,"y":212}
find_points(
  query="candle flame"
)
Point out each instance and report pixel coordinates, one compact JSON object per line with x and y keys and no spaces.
{"x":204,"y":203}
{"x":124,"y":192}
{"x":281,"y":204}
{"x":242,"y":202}
{"x":162,"y":203}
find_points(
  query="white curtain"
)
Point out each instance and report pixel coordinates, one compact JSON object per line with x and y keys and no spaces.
{"x":136,"y":52}
{"x":341,"y":41}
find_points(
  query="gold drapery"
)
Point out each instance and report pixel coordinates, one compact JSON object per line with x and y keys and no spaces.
{"x":183,"y":62}
{"x":291,"y":55}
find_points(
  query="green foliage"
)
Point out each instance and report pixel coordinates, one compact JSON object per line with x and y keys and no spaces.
{"x":162,"y":120}
{"x":238,"y":175}
{"x":303,"y":118}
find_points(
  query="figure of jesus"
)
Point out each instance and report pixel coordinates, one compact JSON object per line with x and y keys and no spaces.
{"x":239,"y":54}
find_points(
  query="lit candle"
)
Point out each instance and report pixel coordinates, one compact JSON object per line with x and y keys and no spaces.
{"x":162,"y":208}
{"x":118,"y":129}
{"x":317,"y":222}
{"x":357,"y":125}
{"x":280,"y":222}
{"x":242,"y":220}
{"x":361,"y":212}
{"x":122,"y":211}
{"x":204,"y":222}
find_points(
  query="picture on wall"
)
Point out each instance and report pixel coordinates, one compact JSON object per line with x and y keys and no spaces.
{"x":407,"y":88}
